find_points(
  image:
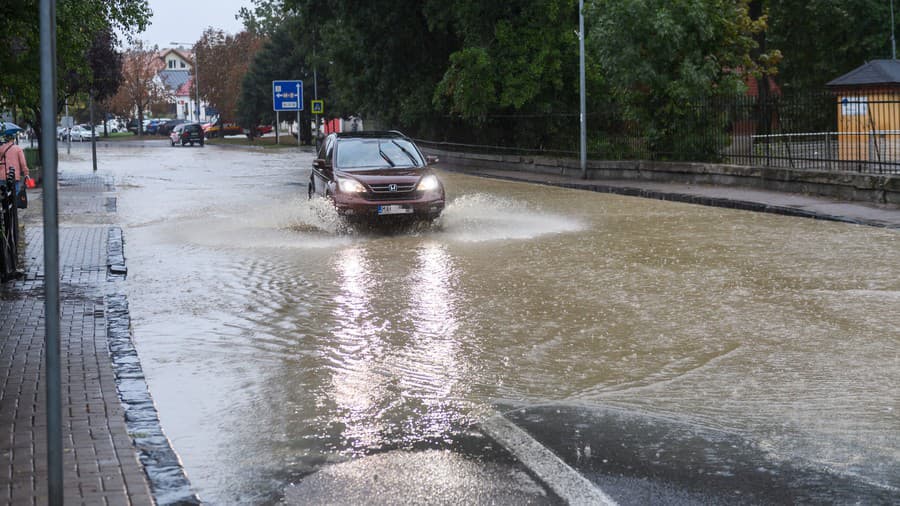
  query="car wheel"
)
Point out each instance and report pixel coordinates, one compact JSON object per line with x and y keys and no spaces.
{"x":183,"y":142}
{"x":173,"y":142}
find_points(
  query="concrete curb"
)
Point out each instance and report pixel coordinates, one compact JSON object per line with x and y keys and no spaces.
{"x":168,"y":481}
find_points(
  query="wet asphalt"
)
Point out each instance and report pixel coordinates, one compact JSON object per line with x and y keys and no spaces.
{"x":633,"y":457}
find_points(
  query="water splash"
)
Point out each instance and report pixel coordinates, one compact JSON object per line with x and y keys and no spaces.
{"x":484,"y":217}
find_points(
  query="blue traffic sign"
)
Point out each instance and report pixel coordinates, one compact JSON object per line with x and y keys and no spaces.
{"x":287,"y":95}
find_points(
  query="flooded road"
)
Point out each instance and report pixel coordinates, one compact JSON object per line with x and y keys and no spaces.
{"x":275,"y":340}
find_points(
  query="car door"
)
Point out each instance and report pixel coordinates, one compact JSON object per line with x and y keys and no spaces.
{"x":322,"y":172}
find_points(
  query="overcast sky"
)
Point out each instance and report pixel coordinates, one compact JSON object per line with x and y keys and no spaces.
{"x":185,"y":20}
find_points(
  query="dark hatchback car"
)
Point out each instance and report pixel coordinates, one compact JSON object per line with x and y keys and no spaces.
{"x":167,"y":127}
{"x":187,"y":133}
{"x":377,"y":175}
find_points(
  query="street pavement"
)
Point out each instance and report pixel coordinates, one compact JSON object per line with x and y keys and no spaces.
{"x":101,"y":462}
{"x":103,"y":458}
{"x":734,"y":197}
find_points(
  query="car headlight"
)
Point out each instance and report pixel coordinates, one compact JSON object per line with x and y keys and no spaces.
{"x":429,"y":183}
{"x":351,"y":186}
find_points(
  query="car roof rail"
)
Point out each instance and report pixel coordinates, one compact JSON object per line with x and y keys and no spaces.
{"x":371,"y":134}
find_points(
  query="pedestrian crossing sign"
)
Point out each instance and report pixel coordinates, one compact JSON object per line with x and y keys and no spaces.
{"x":318,"y":106}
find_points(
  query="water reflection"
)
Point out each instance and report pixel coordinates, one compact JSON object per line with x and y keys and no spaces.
{"x":356,"y":384}
{"x":396,"y":370}
{"x":433,"y":361}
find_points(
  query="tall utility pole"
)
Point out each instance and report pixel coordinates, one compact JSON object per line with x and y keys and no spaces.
{"x":51,"y":255}
{"x":582,"y":91}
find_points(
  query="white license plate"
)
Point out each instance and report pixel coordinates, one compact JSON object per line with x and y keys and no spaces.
{"x":394,"y":209}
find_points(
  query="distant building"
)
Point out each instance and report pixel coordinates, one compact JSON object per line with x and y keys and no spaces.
{"x":175,"y":74}
{"x":869,"y":111}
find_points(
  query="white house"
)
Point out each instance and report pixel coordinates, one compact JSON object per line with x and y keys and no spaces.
{"x":175,"y":75}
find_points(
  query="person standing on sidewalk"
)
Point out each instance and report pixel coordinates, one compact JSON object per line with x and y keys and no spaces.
{"x":11,"y":155}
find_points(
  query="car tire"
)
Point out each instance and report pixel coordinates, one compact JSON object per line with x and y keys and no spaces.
{"x":173,"y":142}
{"x":183,"y":142}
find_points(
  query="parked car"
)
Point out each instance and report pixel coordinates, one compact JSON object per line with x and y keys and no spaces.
{"x":113,"y":126}
{"x":133,"y":126}
{"x":223,"y":129}
{"x":376,"y":175}
{"x":61,"y":133}
{"x":152,"y":126}
{"x":187,"y":133}
{"x":167,"y":127}
{"x":82,"y":133}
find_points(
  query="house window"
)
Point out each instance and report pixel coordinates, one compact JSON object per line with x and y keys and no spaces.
{"x":183,"y":65}
{"x":171,"y":64}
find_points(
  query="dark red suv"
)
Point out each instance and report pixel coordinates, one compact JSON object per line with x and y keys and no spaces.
{"x":377,"y":175}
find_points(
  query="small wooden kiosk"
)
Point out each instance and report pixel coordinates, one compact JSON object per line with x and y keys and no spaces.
{"x":868,"y":115}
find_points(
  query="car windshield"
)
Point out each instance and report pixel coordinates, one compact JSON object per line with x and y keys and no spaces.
{"x":368,"y":153}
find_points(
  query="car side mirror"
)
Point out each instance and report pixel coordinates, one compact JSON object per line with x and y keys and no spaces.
{"x":431,"y":160}
{"x":319,"y":163}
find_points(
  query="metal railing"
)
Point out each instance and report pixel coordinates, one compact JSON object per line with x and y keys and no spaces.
{"x":819,"y":131}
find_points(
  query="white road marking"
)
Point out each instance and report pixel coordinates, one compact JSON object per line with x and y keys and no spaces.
{"x":565,"y":482}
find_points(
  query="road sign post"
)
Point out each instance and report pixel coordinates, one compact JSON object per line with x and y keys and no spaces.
{"x":287,"y":96}
{"x":317,"y":107}
{"x":300,"y":94}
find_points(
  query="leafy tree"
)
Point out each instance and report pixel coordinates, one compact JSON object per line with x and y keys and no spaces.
{"x":281,"y":57}
{"x":106,"y":69}
{"x":383,"y":61}
{"x":140,"y":88}
{"x":78,"y":23}
{"x":663,"y":56}
{"x":225,"y":59}
{"x":824,"y":39}
{"x":264,"y":18}
{"x":513,"y":73}
{"x":509,"y":60}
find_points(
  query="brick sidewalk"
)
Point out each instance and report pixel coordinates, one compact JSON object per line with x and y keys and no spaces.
{"x":101,"y":463}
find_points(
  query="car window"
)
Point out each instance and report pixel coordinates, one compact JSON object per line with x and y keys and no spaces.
{"x":329,"y":150}
{"x":326,"y":147}
{"x":367,"y":153}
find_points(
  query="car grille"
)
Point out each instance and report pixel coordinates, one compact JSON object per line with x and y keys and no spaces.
{"x":383,"y":192}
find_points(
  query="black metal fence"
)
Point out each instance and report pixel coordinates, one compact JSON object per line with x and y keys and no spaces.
{"x":857,"y":131}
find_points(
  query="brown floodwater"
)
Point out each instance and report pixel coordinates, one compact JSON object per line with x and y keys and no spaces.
{"x":275,"y":339}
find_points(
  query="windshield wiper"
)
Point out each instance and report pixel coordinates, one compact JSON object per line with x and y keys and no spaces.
{"x":386,"y":157}
{"x":407,"y":153}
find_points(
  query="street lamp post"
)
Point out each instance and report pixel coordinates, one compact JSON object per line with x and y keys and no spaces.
{"x":196,"y":80}
{"x":582,"y":91}
{"x":893,"y":39}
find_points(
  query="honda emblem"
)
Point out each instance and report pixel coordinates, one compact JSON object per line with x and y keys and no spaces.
{"x":392,"y":187}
